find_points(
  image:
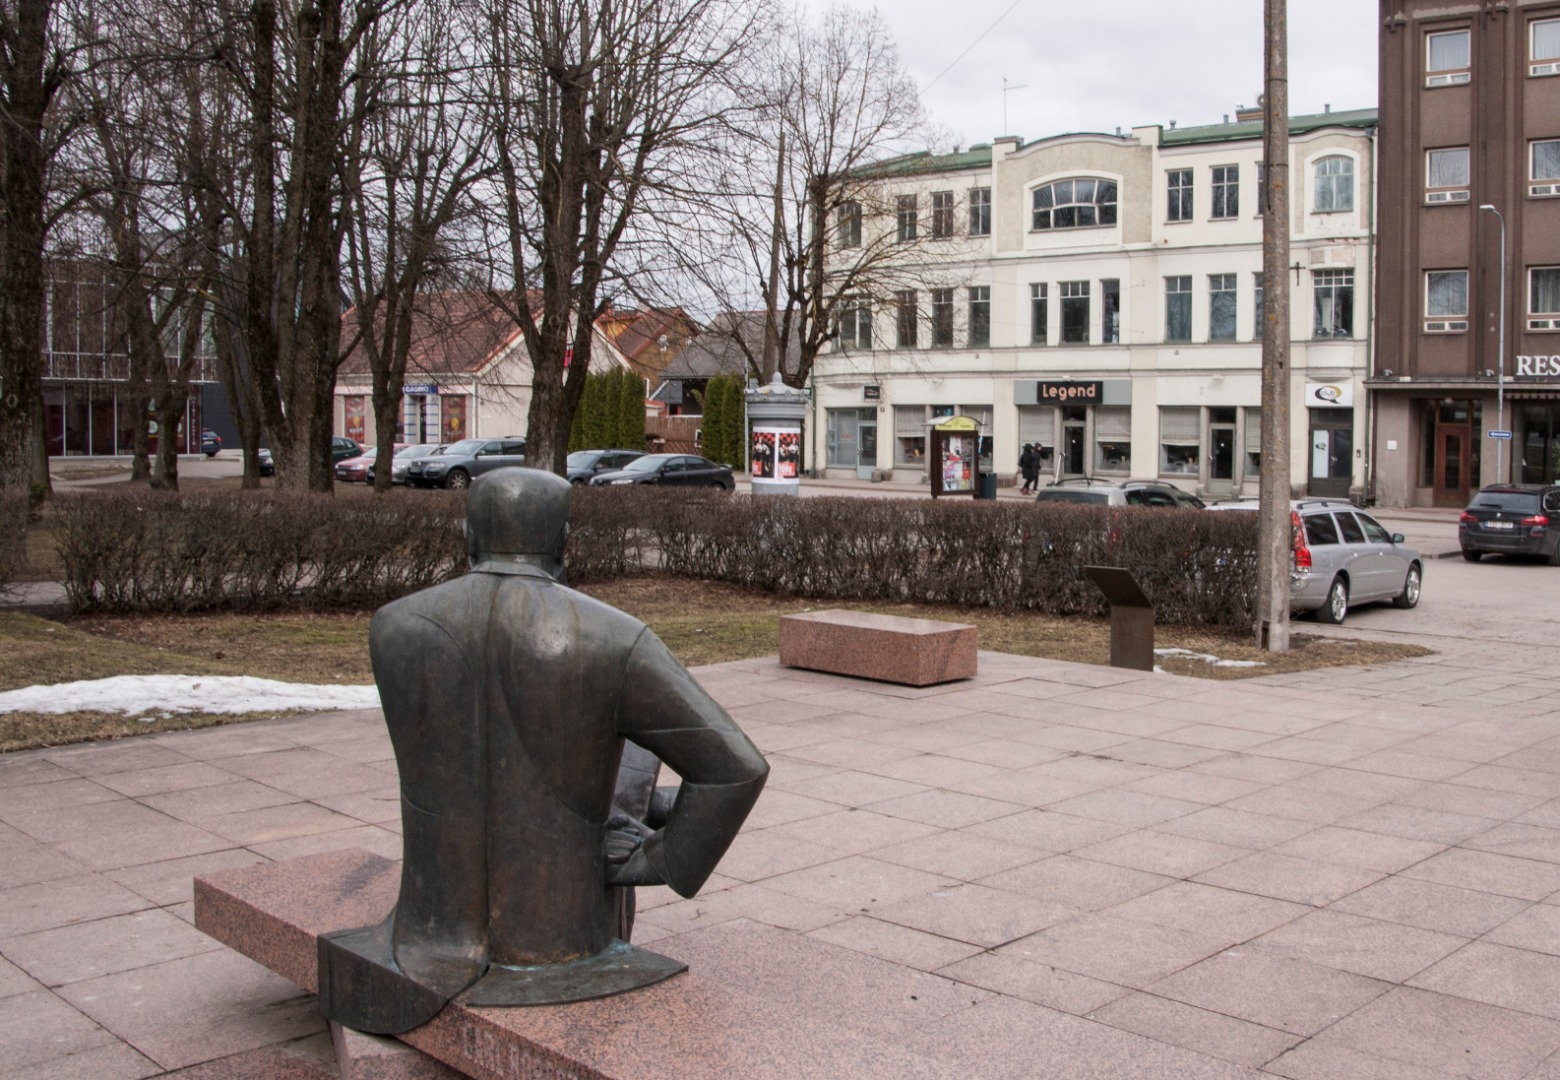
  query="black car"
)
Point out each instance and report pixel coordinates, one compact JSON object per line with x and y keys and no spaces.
{"x":1512,"y":519}
{"x":342,"y":448}
{"x":584,"y":464}
{"x":210,"y":442}
{"x":670,"y":470}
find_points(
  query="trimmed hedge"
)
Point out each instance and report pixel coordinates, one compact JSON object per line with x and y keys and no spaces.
{"x":147,"y":551}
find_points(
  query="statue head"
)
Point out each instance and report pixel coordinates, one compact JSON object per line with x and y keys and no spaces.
{"x":518,"y":515}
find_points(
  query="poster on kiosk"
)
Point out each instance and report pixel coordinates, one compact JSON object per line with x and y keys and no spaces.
{"x":776,"y":454}
{"x":955,"y":449}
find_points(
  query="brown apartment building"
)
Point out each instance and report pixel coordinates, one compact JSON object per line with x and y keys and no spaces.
{"x":1470,"y":149}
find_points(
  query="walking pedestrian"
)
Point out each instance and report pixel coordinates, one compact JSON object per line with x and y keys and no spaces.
{"x":1029,"y":467}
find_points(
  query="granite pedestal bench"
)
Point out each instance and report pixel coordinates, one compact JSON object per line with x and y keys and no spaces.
{"x":888,"y":648}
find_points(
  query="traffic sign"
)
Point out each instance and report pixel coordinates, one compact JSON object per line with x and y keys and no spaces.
{"x":1498,"y":434}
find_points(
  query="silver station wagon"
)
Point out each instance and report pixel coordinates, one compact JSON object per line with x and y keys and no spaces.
{"x":1343,"y":557}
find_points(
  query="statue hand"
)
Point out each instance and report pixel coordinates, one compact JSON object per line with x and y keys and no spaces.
{"x":628,"y":847}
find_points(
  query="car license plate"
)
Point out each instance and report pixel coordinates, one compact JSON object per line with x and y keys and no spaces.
{"x":1499,"y":525}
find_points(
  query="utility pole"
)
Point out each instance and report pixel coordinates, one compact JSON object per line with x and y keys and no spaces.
{"x":1274,"y":542}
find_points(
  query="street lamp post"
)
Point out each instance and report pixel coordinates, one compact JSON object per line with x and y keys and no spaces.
{"x":1500,"y":357}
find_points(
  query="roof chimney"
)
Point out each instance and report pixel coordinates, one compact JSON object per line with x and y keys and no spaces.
{"x":1244,"y":115}
{"x":1326,"y":108}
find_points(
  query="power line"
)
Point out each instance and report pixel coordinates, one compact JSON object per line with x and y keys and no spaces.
{"x":971,"y":45}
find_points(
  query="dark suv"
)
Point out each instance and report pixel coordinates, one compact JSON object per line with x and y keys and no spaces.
{"x":1512,"y":519}
{"x":1125,"y":493}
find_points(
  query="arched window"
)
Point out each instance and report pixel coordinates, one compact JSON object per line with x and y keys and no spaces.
{"x":1334,"y":184}
{"x":1074,"y":204}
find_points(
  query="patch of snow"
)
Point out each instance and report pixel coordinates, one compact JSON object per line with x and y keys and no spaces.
{"x":132,"y":694}
{"x":1208,"y":658}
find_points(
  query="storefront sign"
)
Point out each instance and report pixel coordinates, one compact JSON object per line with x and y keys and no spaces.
{"x":1339,"y":395}
{"x":1538,"y":367}
{"x":1083,"y":392}
{"x":871,"y":393}
{"x":419,"y":389}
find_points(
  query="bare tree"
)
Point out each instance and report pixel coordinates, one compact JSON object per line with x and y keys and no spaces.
{"x":412,"y":160}
{"x":596,"y":108}
{"x":34,"y":65}
{"x":803,"y":190}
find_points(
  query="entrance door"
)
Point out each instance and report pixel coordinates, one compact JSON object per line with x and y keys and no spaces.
{"x":1332,"y":453}
{"x":1074,"y":460}
{"x":866,"y":446}
{"x":1221,"y":466}
{"x":1451,"y":464}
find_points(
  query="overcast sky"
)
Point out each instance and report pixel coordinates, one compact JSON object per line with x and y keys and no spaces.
{"x":1094,"y":65}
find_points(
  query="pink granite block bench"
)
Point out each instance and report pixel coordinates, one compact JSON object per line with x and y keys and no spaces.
{"x":888,"y":648}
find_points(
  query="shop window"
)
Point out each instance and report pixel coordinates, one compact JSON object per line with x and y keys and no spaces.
{"x":1180,"y":441}
{"x":910,"y":436}
{"x":1037,"y":313}
{"x":1178,"y":308}
{"x":1221,"y":307}
{"x":1075,"y":312}
{"x":1446,"y":301}
{"x":981,"y":414}
{"x":1112,"y":439}
{"x":1253,"y":442}
{"x":851,"y":437}
{"x":1334,"y":293}
{"x":1544,"y":298}
{"x":1446,"y":175}
{"x":1037,"y":427}
{"x":1447,"y":58}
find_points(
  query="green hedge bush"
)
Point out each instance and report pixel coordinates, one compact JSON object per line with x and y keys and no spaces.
{"x":147,"y":551}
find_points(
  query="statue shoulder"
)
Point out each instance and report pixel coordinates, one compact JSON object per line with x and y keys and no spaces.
{"x":603,"y":620}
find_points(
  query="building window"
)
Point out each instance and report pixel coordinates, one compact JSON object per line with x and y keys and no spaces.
{"x":942,"y":215}
{"x":1545,"y":36}
{"x":1544,"y":168}
{"x":1446,"y":301}
{"x":1221,"y":307}
{"x":1544,"y":298}
{"x":847,"y":225}
{"x":1178,"y":308}
{"x":1253,"y":420}
{"x":906,"y":317}
{"x":1179,"y":185}
{"x":980,"y":211}
{"x":1113,"y":439}
{"x":1180,"y":441}
{"x":1261,"y":189}
{"x":1334,"y":291}
{"x":856,"y":327}
{"x":1037,"y":313}
{"x":1226,"y":191}
{"x":1074,"y":204}
{"x":942,"y":318}
{"x":1446,"y":175}
{"x":1110,"y":311}
{"x":910,"y":436}
{"x":1258,"y":316}
{"x":1447,"y":58}
{"x":1334,"y":185}
{"x":851,"y":438}
{"x":907,"y":218}
{"x":980,"y":315}
{"x":1075,"y":312}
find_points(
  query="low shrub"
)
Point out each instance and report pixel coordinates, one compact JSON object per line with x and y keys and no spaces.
{"x":146,"y":551}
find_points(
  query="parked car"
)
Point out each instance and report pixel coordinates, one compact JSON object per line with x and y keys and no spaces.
{"x":355,"y":470}
{"x":267,"y":462}
{"x":1341,"y":557}
{"x":583,"y":464}
{"x":342,"y":448}
{"x":210,"y":442}
{"x":1124,"y":493}
{"x":671,"y":470}
{"x":403,"y":460}
{"x":1512,"y":519}
{"x":457,"y":463}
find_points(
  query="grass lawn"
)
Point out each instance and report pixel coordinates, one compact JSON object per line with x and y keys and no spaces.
{"x":701,"y":622}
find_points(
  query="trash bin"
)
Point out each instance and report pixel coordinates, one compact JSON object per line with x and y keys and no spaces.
{"x":986,"y":486}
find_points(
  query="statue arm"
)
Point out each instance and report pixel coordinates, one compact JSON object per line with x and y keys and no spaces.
{"x":665,"y":711}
